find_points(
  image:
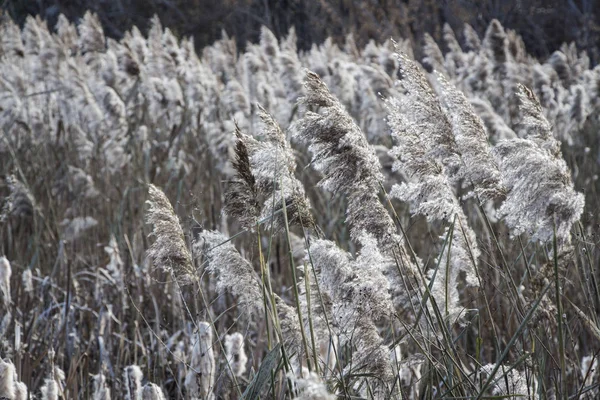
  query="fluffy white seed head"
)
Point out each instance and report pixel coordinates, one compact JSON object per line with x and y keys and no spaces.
{"x":7,"y":379}
{"x":235,"y":353}
{"x":310,"y":386}
{"x":27,"y":279}
{"x":200,"y":379}
{"x":5,"y":273}
{"x":101,"y":389}
{"x":234,"y":273}
{"x":169,"y":250}
{"x":152,"y":391}
{"x":132,"y":382}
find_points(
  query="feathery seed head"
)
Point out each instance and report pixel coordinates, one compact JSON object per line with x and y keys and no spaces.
{"x":235,"y":353}
{"x":169,"y":250}
{"x":152,"y":391}
{"x":234,"y":273}
{"x":5,"y":273}
{"x":132,"y":382}
{"x":101,"y":389}
{"x":200,"y":379}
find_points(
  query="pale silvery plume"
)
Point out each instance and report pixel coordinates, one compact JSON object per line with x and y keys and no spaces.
{"x":455,"y":58}
{"x":132,"y":382}
{"x":478,"y":165}
{"x":496,"y":128}
{"x":5,"y":273}
{"x":273,"y":165}
{"x":21,"y":391}
{"x":115,"y":265}
{"x":27,"y":279}
{"x":235,"y":353}
{"x":152,"y":391}
{"x":290,"y":328}
{"x":433,"y":55}
{"x":12,"y":44}
{"x":7,"y":383}
{"x":10,"y":387}
{"x":169,"y":250}
{"x":101,"y":389}
{"x":512,"y":382}
{"x":580,"y":105}
{"x":495,"y":42}
{"x":424,"y":113}
{"x":200,"y":379}
{"x":74,"y":228}
{"x":234,"y":273}
{"x":472,"y":40}
{"x":590,"y":372}
{"x":310,"y":386}
{"x":241,"y":195}
{"x":429,"y":192}
{"x":348,"y":163}
{"x":54,"y":383}
{"x":541,"y":191}
{"x":20,"y":202}
{"x":91,"y":34}
{"x":340,"y":150}
{"x":352,"y":310}
{"x":537,"y":127}
{"x":558,"y":61}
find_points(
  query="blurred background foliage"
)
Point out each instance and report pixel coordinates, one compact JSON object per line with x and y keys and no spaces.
{"x":543,"y":24}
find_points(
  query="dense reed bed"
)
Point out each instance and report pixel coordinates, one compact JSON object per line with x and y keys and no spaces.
{"x":268,"y":223}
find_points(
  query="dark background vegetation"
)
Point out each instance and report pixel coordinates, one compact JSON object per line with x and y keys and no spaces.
{"x":544,"y":24}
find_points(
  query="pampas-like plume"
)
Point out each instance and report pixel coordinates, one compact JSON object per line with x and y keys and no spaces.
{"x":101,"y":389}
{"x":541,"y":192}
{"x":265,"y":180}
{"x":10,"y":387}
{"x":7,"y":380}
{"x":132,"y":382}
{"x":590,"y":372}
{"x":5,"y":273}
{"x":472,"y":40}
{"x":340,"y":150}
{"x":424,"y":113}
{"x":21,"y":392}
{"x":291,"y":331}
{"x":479,"y":167}
{"x":169,"y":250}
{"x":356,"y":299}
{"x":200,"y":379}
{"x":310,"y":387}
{"x":27,"y":279}
{"x":241,"y":197}
{"x":348,"y":163}
{"x":433,"y":55}
{"x":276,"y":163}
{"x":54,"y":383}
{"x":534,"y":121}
{"x":152,"y":391}
{"x":496,"y":42}
{"x":235,"y":353}
{"x":234,"y":272}
{"x":497,"y":129}
{"x":91,"y":34}
{"x":20,"y":202}
{"x":513,"y":384}
{"x":430,"y":193}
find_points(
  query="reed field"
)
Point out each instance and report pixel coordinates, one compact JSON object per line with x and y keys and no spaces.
{"x":345,"y":222}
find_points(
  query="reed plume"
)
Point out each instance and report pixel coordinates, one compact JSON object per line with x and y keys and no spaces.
{"x":169,"y":250}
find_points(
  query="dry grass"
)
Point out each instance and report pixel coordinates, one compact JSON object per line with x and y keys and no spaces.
{"x":231,"y":224}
